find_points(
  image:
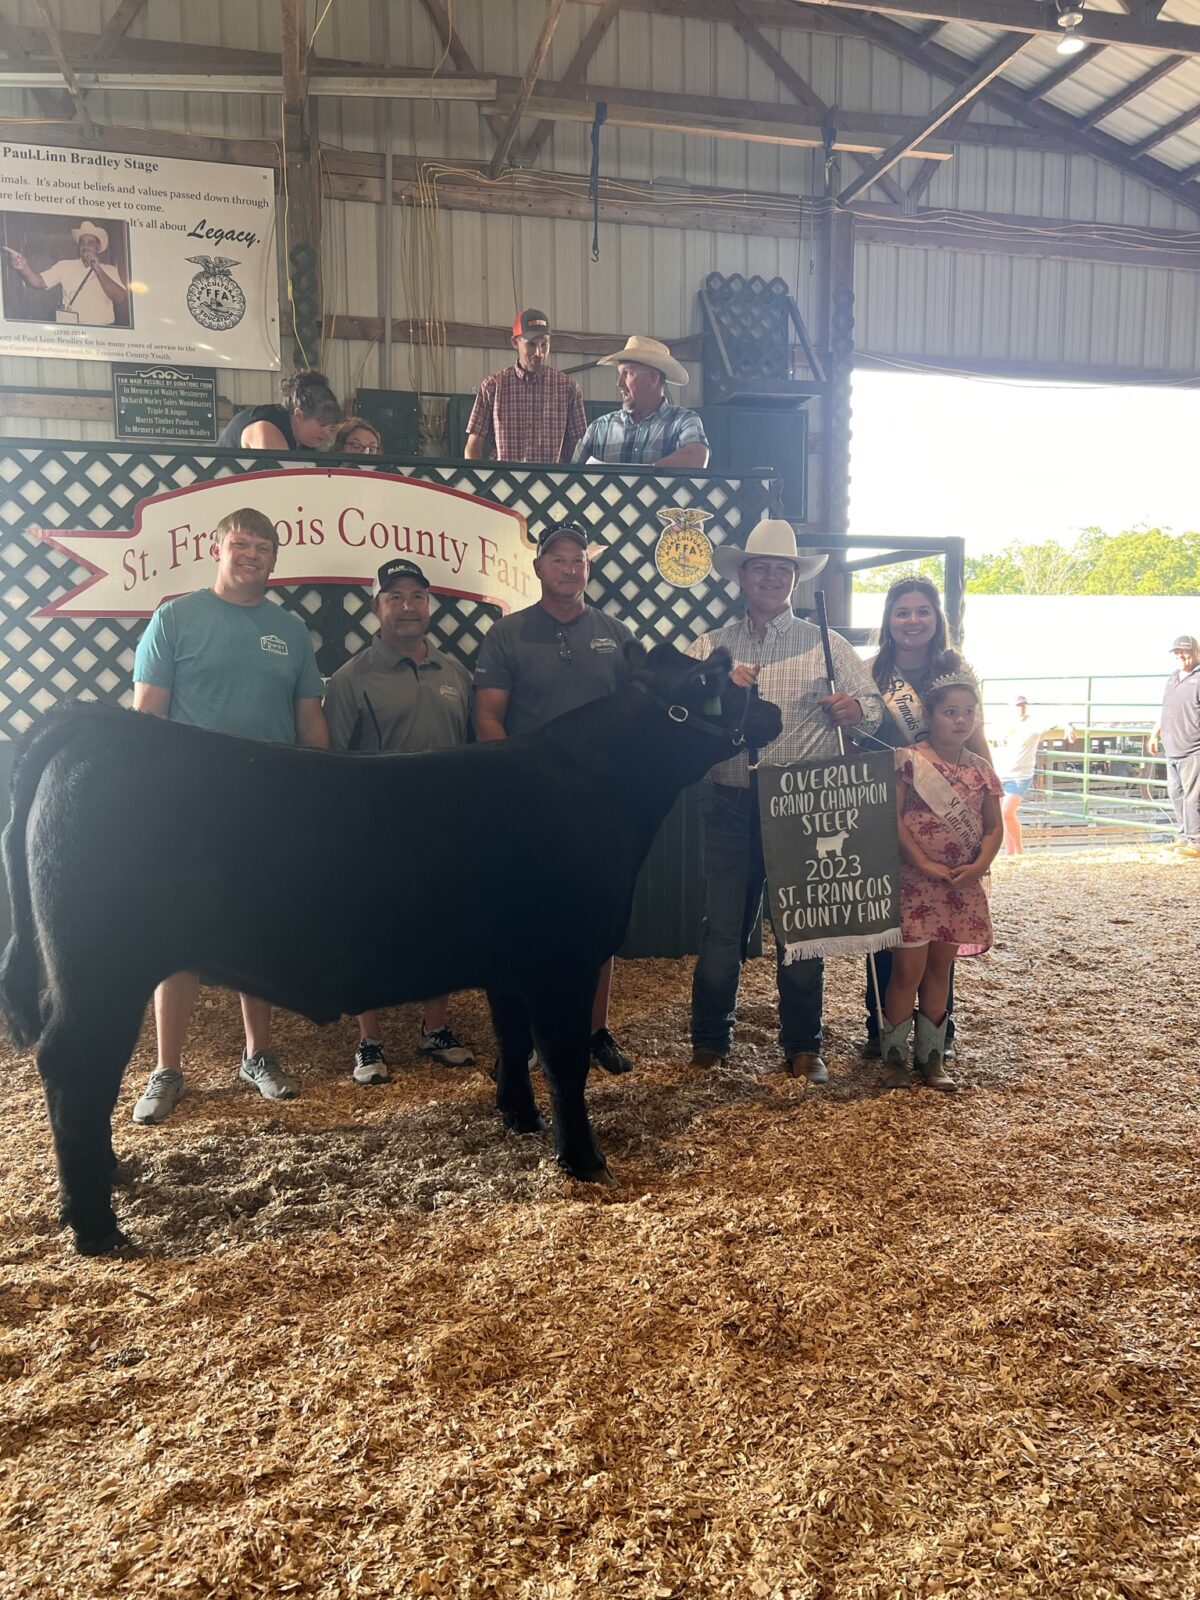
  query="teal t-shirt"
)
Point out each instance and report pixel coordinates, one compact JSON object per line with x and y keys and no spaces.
{"x":234,"y":669}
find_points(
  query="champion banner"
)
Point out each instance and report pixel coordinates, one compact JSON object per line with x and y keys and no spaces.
{"x":832,"y":858}
{"x":108,"y":256}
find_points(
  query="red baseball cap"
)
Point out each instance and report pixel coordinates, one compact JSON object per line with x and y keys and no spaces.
{"x":530,"y":324}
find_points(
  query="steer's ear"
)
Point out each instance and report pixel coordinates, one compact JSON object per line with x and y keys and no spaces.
{"x":635,"y":655}
{"x":712,"y":675}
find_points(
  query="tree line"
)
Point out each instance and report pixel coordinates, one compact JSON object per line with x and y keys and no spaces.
{"x":1151,"y":561}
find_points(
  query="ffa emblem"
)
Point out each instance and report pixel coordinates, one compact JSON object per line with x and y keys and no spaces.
{"x":683,"y":553}
{"x":213,"y":298}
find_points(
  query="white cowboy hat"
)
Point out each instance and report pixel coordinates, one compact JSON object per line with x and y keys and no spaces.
{"x":650,"y":353}
{"x":770,"y":537}
{"x":96,"y":232}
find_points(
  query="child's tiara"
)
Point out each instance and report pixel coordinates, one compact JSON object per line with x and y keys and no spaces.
{"x":960,"y":678}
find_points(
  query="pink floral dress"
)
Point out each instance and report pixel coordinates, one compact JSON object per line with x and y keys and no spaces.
{"x":930,"y":910}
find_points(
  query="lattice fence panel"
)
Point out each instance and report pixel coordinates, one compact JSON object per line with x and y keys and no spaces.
{"x":46,"y":660}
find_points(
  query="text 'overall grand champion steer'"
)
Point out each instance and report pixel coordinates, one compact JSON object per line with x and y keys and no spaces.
{"x":519,"y":859}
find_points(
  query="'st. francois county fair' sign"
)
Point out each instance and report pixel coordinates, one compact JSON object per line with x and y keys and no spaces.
{"x":334,"y":525}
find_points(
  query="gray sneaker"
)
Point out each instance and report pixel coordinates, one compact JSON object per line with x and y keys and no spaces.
{"x":441,"y":1045}
{"x":370,"y":1065}
{"x":268,"y":1077}
{"x":159,"y":1098}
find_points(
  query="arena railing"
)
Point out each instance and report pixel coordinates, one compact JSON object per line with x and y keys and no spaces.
{"x":1102,"y":782}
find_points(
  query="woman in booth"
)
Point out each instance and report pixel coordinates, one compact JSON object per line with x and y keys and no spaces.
{"x":309,"y":412}
{"x":354,"y":436}
{"x":913,"y":637}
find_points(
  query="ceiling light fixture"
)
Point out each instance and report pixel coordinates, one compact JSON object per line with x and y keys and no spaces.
{"x":1069,"y":18}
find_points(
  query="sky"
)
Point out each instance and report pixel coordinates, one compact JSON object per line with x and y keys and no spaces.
{"x":1003,"y":461}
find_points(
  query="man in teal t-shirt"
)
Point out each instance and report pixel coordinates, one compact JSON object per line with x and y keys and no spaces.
{"x":228,"y":659}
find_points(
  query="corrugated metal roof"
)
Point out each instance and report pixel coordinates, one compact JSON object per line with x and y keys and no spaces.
{"x":945,"y":302}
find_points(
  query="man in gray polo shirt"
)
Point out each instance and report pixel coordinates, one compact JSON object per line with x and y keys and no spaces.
{"x":550,"y":658}
{"x":1178,"y":734}
{"x":401,"y":695}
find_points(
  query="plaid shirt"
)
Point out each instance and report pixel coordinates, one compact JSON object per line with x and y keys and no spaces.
{"x":793,"y":678}
{"x":618,"y":438}
{"x":528,"y":416}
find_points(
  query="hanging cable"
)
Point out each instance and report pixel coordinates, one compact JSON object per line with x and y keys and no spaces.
{"x":598,"y":122}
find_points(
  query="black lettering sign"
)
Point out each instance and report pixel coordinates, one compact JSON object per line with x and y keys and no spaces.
{"x":833,"y":863}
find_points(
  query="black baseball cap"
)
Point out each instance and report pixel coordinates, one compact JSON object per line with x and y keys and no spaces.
{"x":530,"y":324}
{"x":391,"y":570}
{"x":566,"y":530}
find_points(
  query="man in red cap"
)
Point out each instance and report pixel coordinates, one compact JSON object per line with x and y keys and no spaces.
{"x":528,"y":412}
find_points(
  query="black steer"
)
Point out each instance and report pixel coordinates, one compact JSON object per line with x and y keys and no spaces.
{"x":332,"y":884}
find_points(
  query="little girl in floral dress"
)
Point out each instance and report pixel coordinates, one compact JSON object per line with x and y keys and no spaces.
{"x":948,"y":811}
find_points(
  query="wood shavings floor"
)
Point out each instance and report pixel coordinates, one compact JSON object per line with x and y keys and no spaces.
{"x":818,"y":1344}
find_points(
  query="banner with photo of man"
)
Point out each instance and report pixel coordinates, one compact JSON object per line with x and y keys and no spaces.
{"x":113,"y":257}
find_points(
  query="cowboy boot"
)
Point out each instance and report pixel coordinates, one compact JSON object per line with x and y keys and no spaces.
{"x":930,"y":1054}
{"x":893,"y":1048}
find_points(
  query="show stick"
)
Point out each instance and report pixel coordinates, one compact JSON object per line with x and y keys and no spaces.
{"x":823,"y":624}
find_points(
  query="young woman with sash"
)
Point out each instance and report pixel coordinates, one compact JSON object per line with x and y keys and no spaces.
{"x":913,"y":636}
{"x":950,"y":827}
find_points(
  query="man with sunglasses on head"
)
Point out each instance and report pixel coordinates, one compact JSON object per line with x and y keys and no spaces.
{"x":553,"y":657}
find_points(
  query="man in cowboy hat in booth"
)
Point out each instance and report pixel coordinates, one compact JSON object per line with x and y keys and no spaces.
{"x":648,"y":428}
{"x":781,"y":654}
{"x":90,"y":290}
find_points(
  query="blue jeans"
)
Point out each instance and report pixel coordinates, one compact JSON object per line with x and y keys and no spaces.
{"x":733,"y":888}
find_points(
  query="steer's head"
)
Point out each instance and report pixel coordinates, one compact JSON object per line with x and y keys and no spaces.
{"x":702,"y":696}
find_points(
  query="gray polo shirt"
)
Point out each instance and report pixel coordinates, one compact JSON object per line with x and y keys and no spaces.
{"x":547,"y":666}
{"x":416,"y":705}
{"x":1181,"y":714}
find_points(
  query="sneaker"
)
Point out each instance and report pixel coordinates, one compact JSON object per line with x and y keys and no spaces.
{"x":370,"y":1064}
{"x":441,"y":1044}
{"x":607,"y":1053}
{"x":159,"y":1098}
{"x":268,"y":1077}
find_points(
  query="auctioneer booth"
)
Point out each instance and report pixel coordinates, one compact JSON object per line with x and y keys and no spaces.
{"x":93,"y":536}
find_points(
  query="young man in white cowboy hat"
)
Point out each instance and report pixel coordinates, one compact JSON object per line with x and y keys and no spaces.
{"x":547,"y":659}
{"x":529,"y":411}
{"x":648,"y":428}
{"x":782,"y":654}
{"x":90,"y":290}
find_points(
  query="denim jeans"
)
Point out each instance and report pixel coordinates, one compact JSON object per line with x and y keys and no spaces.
{"x":1183,"y":786}
{"x":733,"y":888}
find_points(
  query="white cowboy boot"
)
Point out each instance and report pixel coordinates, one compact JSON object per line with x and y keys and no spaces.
{"x":930,"y":1053}
{"x":893,"y":1048}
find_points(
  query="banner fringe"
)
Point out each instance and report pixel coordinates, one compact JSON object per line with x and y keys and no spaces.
{"x":849,"y":944}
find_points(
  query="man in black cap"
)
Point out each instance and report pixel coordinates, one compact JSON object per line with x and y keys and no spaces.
{"x":401,"y":695}
{"x":1178,"y":736}
{"x":529,"y":411}
{"x":552,"y":657}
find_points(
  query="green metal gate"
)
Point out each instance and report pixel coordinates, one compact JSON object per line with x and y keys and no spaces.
{"x":1105,"y":777}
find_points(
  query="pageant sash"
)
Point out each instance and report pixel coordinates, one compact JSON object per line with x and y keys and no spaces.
{"x":907,"y":712}
{"x":941,"y":799}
